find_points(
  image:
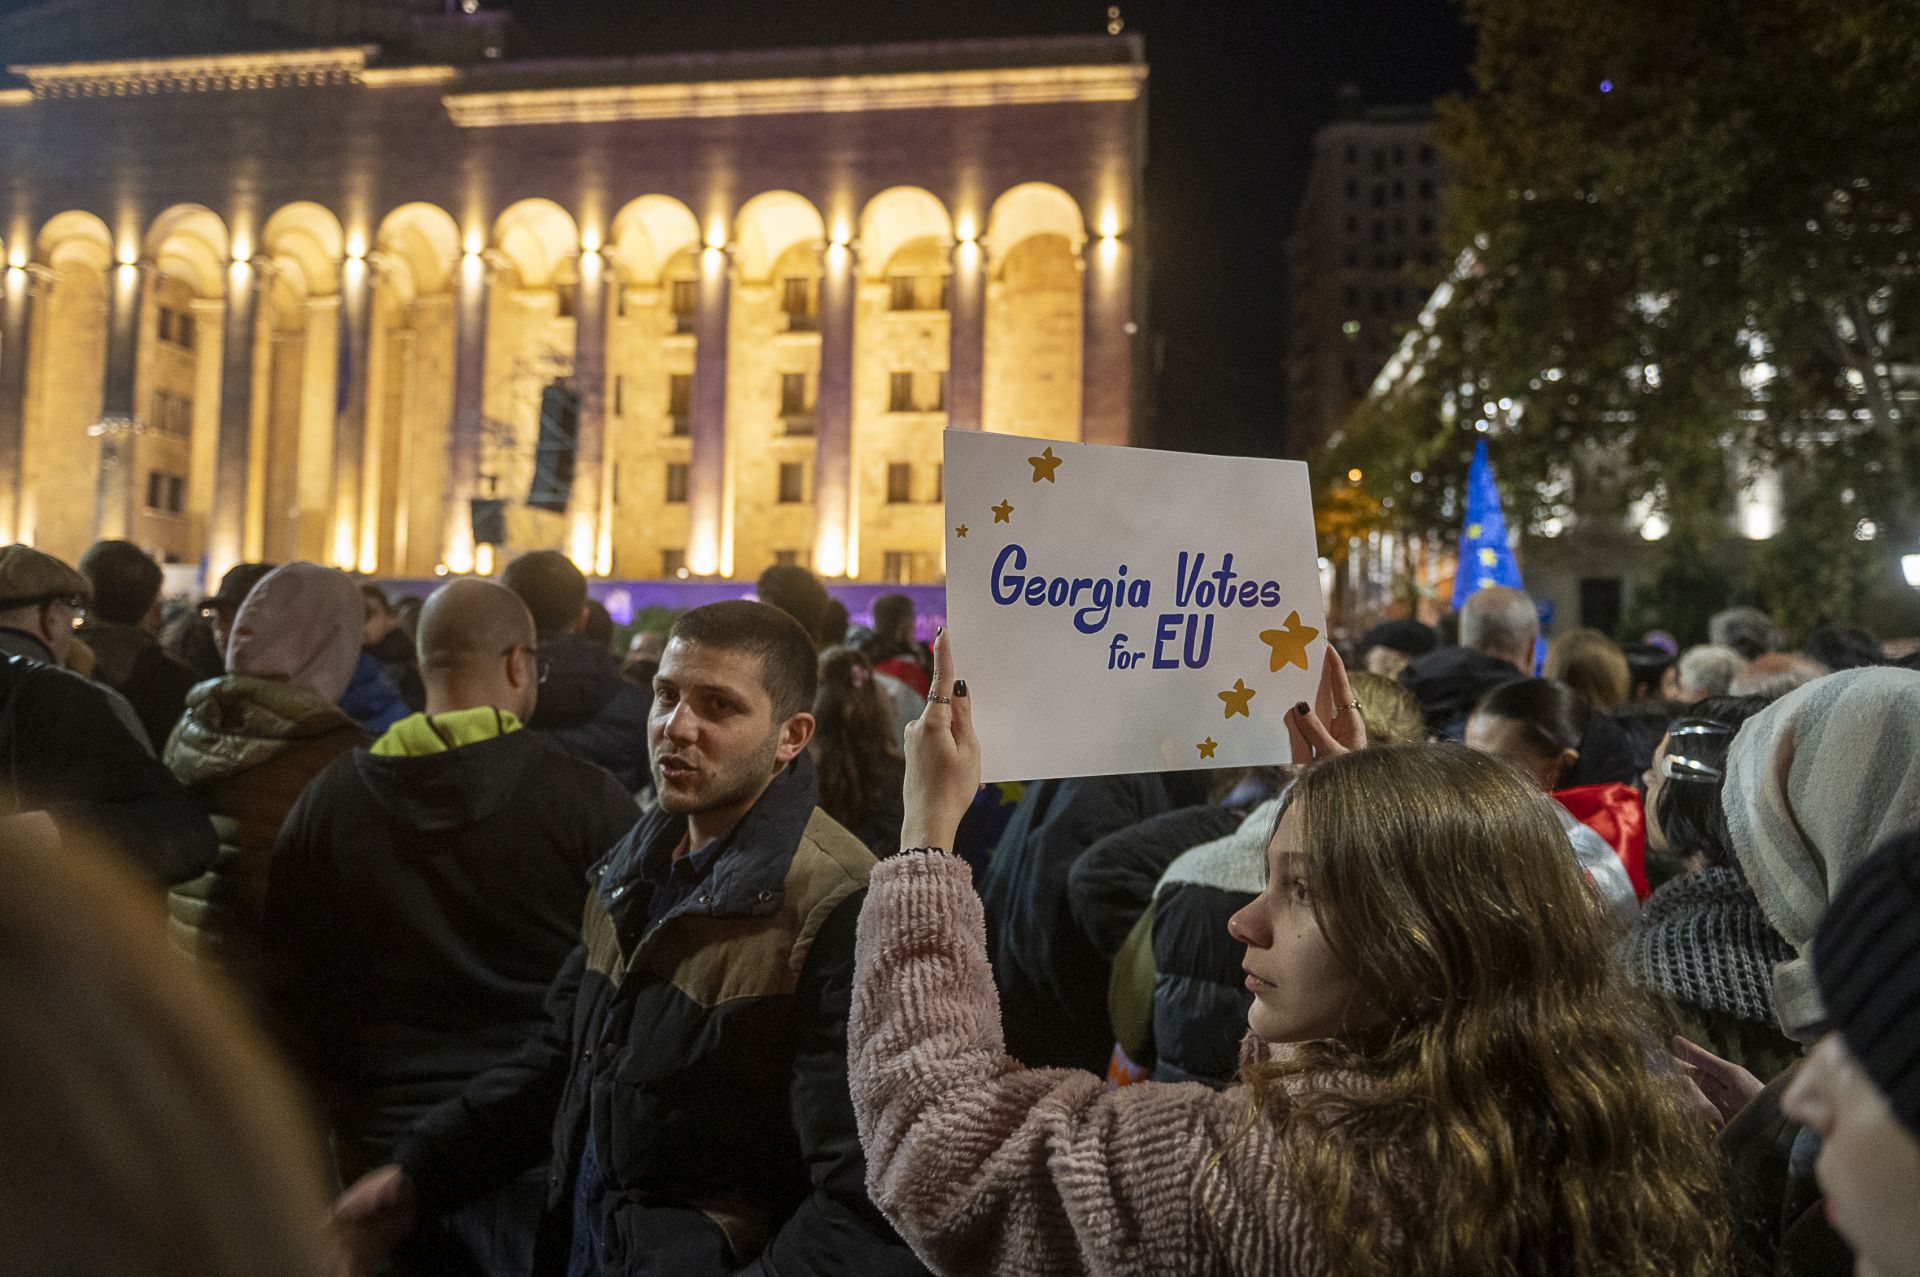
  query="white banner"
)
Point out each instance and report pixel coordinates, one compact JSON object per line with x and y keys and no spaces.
{"x":1124,"y":610}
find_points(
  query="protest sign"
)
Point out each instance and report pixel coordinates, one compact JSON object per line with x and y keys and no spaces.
{"x":1126,"y":610}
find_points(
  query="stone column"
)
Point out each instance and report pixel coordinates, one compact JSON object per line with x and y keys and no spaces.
{"x":1106,"y":364}
{"x":967,"y":335}
{"x":17,"y":288}
{"x":833,"y":413}
{"x":350,"y":547}
{"x":119,"y":425}
{"x":708,"y":535}
{"x":584,"y":511}
{"x":468,"y":428}
{"x":227,"y":521}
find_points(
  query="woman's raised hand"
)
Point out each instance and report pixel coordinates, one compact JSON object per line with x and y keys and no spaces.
{"x":1332,"y":726}
{"x":943,"y":757}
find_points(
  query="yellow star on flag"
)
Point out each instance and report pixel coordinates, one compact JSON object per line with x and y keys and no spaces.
{"x":1289,"y":643}
{"x":961,"y":531}
{"x":1044,"y":465}
{"x":1206,"y":747}
{"x":1003,"y":513}
{"x":1473,"y":532}
{"x":1487,"y":557}
{"x":1236,"y":698}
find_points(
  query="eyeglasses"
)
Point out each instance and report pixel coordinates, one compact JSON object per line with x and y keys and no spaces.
{"x":1687,"y":740}
{"x":542,"y":666}
{"x":73,"y":602}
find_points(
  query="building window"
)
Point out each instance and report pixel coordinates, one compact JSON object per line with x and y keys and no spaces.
{"x":1426,"y":188}
{"x":1380,"y":196}
{"x":903,"y":292}
{"x":1353,"y":188}
{"x":676,"y":482}
{"x":1399,"y":189}
{"x":680,"y":404}
{"x":673,"y":563}
{"x":793,"y":394}
{"x":685,"y":300}
{"x":939,"y":482}
{"x":1426,"y":226}
{"x":1353,"y":153}
{"x":896,"y":567}
{"x":1426,"y":155}
{"x":1399,"y":156}
{"x":176,"y":327}
{"x":900,"y":392}
{"x":787,"y":559}
{"x":797,"y":304}
{"x":793,"y":483}
{"x":172,"y":414}
{"x":1353,"y":224}
{"x":899,"y":483}
{"x":939,"y":392}
{"x":166,"y":493}
{"x":619,"y":394}
{"x":569,"y":303}
{"x":1379,"y":161}
{"x":946,"y":292}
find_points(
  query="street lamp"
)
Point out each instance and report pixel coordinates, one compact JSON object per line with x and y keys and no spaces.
{"x":1910,"y":565}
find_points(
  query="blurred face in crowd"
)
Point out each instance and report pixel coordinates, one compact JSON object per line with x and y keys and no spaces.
{"x":1300,"y":992}
{"x":1509,"y":741}
{"x":714,"y":740}
{"x":379,"y":622}
{"x":1654,"y":782}
{"x":220,"y":618}
{"x":1869,"y":1164}
{"x":1387,"y":662}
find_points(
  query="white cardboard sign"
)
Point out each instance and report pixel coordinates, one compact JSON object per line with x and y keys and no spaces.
{"x":1126,"y":610}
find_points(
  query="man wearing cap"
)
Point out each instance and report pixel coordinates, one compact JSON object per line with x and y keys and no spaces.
{"x":1391,"y":646}
{"x":73,"y":749}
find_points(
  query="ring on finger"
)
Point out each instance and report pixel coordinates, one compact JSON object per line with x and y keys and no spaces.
{"x":939,"y":700}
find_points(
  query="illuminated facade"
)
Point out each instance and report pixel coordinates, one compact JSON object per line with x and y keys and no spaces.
{"x":308,"y":303}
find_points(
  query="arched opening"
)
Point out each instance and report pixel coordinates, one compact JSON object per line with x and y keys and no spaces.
{"x":901,"y":350}
{"x":409,"y":387}
{"x":650,"y":358}
{"x":182,"y":330}
{"x":1035,"y":319}
{"x":773,"y":374}
{"x":292,"y":460}
{"x":67,"y":353}
{"x":529,"y":370}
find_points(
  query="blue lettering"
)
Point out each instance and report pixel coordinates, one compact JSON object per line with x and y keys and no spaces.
{"x":1011,"y":580}
{"x":1165,"y":633}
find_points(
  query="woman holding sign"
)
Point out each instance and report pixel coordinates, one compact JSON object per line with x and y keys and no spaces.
{"x":1445,"y":1074}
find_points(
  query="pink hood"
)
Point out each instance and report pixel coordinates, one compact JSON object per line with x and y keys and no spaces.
{"x":301,"y":624}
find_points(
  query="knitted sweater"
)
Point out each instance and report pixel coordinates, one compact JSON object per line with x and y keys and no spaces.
{"x":988,"y":1167}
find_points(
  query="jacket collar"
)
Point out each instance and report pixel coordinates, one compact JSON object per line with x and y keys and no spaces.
{"x":14,"y":642}
{"x":748,"y":878}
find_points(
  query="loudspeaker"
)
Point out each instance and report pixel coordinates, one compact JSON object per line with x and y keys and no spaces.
{"x":553,"y":455}
{"x":489,"y":516}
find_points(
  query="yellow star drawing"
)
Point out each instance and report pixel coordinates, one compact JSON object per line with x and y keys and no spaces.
{"x":1237,"y":697}
{"x":1289,"y":643}
{"x":1003,"y":513}
{"x":961,"y":531}
{"x":1044,"y":465}
{"x":1206,"y":747}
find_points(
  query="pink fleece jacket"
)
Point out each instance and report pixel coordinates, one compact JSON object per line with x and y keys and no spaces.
{"x":985,"y":1166}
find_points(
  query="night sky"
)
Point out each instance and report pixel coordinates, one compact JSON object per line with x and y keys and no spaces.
{"x":1235,"y":93}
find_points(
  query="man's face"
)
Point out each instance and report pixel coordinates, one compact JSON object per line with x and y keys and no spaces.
{"x":712,"y":734}
{"x":378,"y":622}
{"x":61,"y":617}
{"x":220,"y":617}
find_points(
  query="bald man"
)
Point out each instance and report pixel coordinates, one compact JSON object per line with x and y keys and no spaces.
{"x":1498,"y":630}
{"x":425,"y":892}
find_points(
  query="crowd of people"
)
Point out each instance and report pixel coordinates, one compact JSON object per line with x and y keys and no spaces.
{"x":711,"y":955}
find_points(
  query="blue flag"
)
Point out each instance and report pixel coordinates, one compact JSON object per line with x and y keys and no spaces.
{"x":1486,"y":558}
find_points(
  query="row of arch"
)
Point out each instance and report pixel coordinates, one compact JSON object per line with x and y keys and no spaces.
{"x":300,"y":365}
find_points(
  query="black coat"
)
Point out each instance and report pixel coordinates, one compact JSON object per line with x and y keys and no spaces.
{"x":591,"y":710}
{"x":1449,"y":682}
{"x":132,"y":662}
{"x":710,"y":1050}
{"x":1112,"y":884}
{"x":418,"y":911}
{"x":1052,"y":978}
{"x":1200,"y":997}
{"x":64,"y":750}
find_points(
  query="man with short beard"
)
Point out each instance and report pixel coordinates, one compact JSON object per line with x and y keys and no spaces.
{"x":690,"y":1094}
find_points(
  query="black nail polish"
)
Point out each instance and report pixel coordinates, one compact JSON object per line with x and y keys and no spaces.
{"x":1301,"y":709}
{"x":960,"y":687}
{"x":938,"y":630}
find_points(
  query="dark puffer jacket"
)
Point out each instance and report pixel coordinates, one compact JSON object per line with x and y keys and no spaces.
{"x":704,"y":1057}
{"x":590,"y":710}
{"x":246,"y":747}
{"x":64,"y":751}
{"x":1449,"y":682}
{"x":1200,"y":997}
{"x":1114,"y":882}
{"x":1052,"y":979}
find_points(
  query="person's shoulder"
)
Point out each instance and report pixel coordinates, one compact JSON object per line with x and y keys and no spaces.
{"x":829,"y":856}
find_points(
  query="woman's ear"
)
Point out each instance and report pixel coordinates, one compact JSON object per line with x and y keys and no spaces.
{"x":1562,"y":767}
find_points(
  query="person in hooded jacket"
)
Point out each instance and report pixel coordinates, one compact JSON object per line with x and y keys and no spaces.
{"x":585,"y":705}
{"x":249,"y":744}
{"x":1498,"y":631}
{"x":424,"y":894}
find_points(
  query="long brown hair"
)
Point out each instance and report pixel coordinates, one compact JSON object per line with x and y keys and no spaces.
{"x":1507,"y":1114}
{"x":146,"y":1129}
{"x":854,"y":747}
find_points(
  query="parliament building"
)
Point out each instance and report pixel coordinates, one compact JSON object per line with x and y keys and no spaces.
{"x":358,"y":282}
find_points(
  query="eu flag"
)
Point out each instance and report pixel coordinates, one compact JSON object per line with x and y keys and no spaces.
{"x":1485,"y":556}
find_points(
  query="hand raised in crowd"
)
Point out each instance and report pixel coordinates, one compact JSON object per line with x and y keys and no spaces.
{"x":1332,"y":725}
{"x":374,"y":1215}
{"x":943,"y":757}
{"x":1722,"y":1083}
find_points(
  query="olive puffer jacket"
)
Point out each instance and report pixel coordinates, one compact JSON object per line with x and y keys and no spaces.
{"x":247,"y":746}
